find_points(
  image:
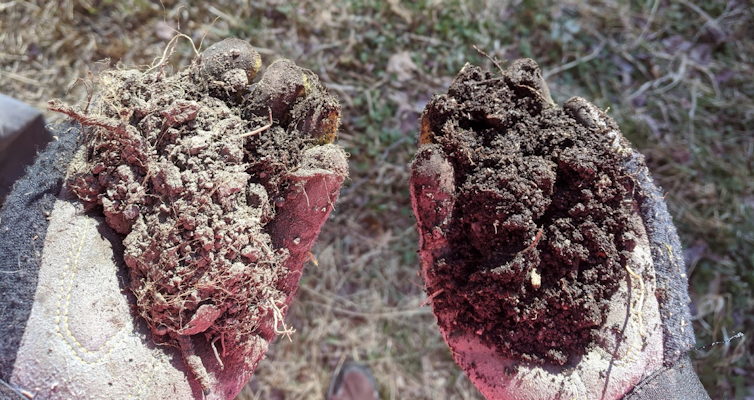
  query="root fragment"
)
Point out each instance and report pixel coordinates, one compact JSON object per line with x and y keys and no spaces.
{"x":641,"y":297}
{"x":279,"y":319}
{"x":217,"y":356}
{"x":194,"y":363}
{"x":432,"y":297}
{"x":259,"y":130}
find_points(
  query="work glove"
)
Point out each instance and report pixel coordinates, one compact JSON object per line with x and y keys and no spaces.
{"x":155,"y":245}
{"x":550,"y":260}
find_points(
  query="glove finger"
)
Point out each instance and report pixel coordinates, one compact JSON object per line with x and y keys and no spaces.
{"x":432,"y":194}
{"x":302,"y":211}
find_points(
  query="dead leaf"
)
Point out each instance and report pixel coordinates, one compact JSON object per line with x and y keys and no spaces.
{"x":398,"y":8}
{"x":676,"y":43}
{"x":402,"y":66}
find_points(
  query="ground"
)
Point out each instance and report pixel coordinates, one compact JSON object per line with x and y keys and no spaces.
{"x":677,"y":77}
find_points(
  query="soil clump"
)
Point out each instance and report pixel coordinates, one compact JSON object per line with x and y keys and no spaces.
{"x":191,"y":168}
{"x":538,"y":236}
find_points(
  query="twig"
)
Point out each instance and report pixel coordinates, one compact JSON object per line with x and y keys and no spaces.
{"x":166,"y":56}
{"x":651,"y":18}
{"x":207,"y":33}
{"x":534,"y":243}
{"x":580,"y":60}
{"x":259,"y":130}
{"x":277,"y":315}
{"x":674,"y":78}
{"x":430,"y":298}
{"x":535,"y":91}
{"x":709,"y":20}
{"x":217,"y":356}
{"x":164,"y":62}
{"x":489,"y":58}
{"x":87,"y":86}
{"x":303,"y":189}
{"x":107,"y":123}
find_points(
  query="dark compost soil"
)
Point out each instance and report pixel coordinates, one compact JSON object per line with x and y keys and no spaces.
{"x":539,"y":230}
{"x":191,"y":167}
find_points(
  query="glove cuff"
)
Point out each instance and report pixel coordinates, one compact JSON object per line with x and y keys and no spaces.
{"x":23,"y":226}
{"x":678,"y":381}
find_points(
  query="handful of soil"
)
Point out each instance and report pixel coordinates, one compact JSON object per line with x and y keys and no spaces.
{"x":534,"y":235}
{"x":202,"y":172}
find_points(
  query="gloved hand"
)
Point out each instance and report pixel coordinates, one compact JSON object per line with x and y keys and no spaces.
{"x":549,"y":257}
{"x":153,"y":252}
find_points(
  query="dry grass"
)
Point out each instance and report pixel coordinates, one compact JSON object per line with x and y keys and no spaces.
{"x":676,"y":75}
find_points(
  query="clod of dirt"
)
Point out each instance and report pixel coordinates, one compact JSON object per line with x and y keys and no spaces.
{"x":192,"y":168}
{"x":222,"y":60}
{"x":538,"y":234}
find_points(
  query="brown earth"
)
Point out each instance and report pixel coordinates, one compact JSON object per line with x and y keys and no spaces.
{"x":538,"y":236}
{"x":192,"y":168}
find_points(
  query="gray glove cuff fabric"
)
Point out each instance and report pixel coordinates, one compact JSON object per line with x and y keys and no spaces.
{"x":667,"y":256}
{"x":23,"y":226}
{"x":678,"y":381}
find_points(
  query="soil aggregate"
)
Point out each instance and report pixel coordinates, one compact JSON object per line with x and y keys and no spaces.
{"x":539,"y":234}
{"x":191,"y":168}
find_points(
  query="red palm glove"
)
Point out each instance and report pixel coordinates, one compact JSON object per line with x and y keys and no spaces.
{"x":157,"y":251}
{"x":551,"y":263}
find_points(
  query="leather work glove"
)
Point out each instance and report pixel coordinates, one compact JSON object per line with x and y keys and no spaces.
{"x":550,"y":260}
{"x":153,"y":248}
